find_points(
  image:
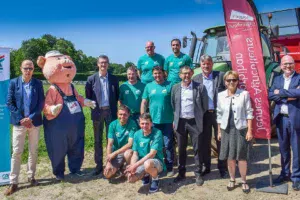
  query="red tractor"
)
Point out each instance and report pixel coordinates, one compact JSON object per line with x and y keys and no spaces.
{"x":288,"y":40}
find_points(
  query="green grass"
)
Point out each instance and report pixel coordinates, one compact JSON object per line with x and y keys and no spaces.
{"x":89,"y":134}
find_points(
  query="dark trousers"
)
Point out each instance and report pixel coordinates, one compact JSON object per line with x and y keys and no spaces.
{"x":185,"y":127}
{"x":288,"y":138}
{"x":209,"y":122}
{"x":168,"y":137}
{"x":105,"y":117}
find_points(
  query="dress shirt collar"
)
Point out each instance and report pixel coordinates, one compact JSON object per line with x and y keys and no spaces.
{"x":190,"y":86}
{"x":209,"y":77}
{"x":288,"y":78}
{"x":105,"y":77}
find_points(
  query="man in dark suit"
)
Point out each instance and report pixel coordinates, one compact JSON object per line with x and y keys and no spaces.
{"x":25,"y":102}
{"x":213,"y":81}
{"x":285,"y":92}
{"x":189,"y":101}
{"x":103,"y":88}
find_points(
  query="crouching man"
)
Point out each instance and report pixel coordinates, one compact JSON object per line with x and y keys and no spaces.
{"x":120,"y":139}
{"x":147,"y":159}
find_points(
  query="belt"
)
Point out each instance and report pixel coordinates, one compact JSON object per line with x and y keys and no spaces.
{"x":105,"y":108}
{"x":211,"y":111}
{"x":284,"y":115}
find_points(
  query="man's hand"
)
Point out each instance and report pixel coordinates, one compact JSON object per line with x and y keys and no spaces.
{"x":276,"y":91}
{"x":26,"y":122}
{"x":109,"y":157}
{"x":90,"y":103}
{"x":55,"y":108}
{"x":249,"y":135}
{"x":107,"y":168}
{"x":131,"y":169}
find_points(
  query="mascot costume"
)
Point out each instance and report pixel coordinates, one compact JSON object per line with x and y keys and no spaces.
{"x":64,"y":121}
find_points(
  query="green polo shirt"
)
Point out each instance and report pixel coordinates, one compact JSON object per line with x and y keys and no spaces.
{"x":173,"y":64}
{"x":131,"y":95}
{"x":145,"y":65}
{"x":143,"y":144}
{"x":159,"y":99}
{"x":121,"y":134}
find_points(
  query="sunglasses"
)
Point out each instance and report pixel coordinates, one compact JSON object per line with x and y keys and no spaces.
{"x":27,"y":68}
{"x":231,"y":80}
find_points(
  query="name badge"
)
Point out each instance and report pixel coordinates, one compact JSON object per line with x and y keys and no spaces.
{"x":74,"y":107}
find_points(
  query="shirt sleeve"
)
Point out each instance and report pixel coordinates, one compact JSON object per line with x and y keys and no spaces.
{"x":111,"y":130}
{"x":157,"y":143}
{"x":145,"y":93}
{"x":135,"y":141}
{"x":139,"y":64}
{"x":121,"y":93}
{"x":166,"y":65}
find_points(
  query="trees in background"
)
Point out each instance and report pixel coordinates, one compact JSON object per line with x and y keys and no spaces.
{"x":34,"y":47}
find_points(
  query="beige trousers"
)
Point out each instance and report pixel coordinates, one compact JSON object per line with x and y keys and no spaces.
{"x":18,"y":141}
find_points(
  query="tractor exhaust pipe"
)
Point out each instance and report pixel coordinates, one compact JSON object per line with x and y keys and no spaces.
{"x":193,"y":45}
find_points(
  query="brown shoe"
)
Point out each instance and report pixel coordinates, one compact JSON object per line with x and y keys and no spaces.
{"x":33,"y":182}
{"x":11,"y":189}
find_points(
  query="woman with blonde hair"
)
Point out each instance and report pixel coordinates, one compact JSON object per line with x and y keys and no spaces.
{"x":234,"y":117}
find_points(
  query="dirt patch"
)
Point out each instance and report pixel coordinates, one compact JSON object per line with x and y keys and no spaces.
{"x":89,"y":187}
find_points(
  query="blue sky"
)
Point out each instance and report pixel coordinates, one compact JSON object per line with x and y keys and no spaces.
{"x":116,"y":28}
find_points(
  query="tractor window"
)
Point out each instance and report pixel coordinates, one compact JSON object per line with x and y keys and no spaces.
{"x":265,"y":48}
{"x":217,"y":48}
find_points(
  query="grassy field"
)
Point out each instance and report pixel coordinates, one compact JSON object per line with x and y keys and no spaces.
{"x":89,"y":135}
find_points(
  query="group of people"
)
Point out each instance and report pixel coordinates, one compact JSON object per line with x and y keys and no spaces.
{"x":146,"y":119}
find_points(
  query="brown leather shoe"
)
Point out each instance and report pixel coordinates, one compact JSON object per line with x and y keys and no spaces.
{"x":11,"y":189}
{"x":33,"y":182}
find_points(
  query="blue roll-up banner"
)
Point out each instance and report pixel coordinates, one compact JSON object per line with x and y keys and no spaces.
{"x":4,"y":116}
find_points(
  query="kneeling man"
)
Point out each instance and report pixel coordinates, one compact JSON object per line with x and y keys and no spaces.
{"x":120,"y":139}
{"x":147,"y":159}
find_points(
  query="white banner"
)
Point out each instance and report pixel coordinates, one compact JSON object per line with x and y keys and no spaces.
{"x":4,"y":116}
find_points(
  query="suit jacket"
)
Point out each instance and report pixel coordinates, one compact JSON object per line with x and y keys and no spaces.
{"x":15,"y":101}
{"x":200,"y":100}
{"x":92,"y":91}
{"x":279,"y":99}
{"x":218,"y":84}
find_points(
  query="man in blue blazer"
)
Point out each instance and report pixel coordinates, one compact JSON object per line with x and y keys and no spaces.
{"x":25,"y":101}
{"x":285,"y":92}
{"x":103,"y":88}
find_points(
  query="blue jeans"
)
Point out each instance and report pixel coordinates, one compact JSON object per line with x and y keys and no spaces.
{"x":168,"y":137}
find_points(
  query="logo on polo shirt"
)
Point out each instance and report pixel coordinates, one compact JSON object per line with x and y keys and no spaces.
{"x":164,"y":91}
{"x":153,"y":91}
{"x":180,"y":63}
{"x":171,"y":64}
{"x":146,"y":63}
{"x":138,"y":92}
{"x":118,"y":134}
{"x":127,"y":132}
{"x":156,"y":63}
{"x":141,"y":144}
{"x":126,"y":91}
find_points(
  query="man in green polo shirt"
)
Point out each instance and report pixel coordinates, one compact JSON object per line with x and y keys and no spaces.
{"x":158,"y":95}
{"x":147,"y":158}
{"x":148,"y":61}
{"x":120,"y":139}
{"x":175,"y":61}
{"x":131,"y":93}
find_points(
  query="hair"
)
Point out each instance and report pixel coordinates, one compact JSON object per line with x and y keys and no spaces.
{"x":185,"y":67}
{"x":124,"y":108}
{"x":158,"y":68}
{"x":233,"y":73}
{"x":146,"y":116}
{"x":132,"y":68}
{"x":206,"y":57}
{"x":103,"y":57}
{"x":176,"y":39}
{"x":27,"y":62}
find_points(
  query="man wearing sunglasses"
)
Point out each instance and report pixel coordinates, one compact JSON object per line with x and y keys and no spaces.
{"x":25,"y":101}
{"x":147,"y":62}
{"x":285,"y":92}
{"x":213,"y":81}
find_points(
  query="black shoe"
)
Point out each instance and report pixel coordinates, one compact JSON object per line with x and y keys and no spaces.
{"x":97,"y":172}
{"x":246,"y":191}
{"x":206,"y":171}
{"x":146,"y":180}
{"x":154,"y":187}
{"x":11,"y":189}
{"x":232,"y":185}
{"x":296,"y":185}
{"x":60,"y":177}
{"x":33,"y":182}
{"x":282,"y":179}
{"x":199,"y":180}
{"x":179,"y":178}
{"x":223,"y":174}
{"x":78,"y":173}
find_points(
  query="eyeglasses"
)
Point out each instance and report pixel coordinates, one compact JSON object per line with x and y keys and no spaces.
{"x":231,"y":80}
{"x":27,"y":68}
{"x":149,"y":47}
{"x":286,"y":64}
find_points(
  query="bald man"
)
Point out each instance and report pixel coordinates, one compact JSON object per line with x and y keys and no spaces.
{"x":25,"y":102}
{"x":285,"y":92}
{"x":148,"y":61}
